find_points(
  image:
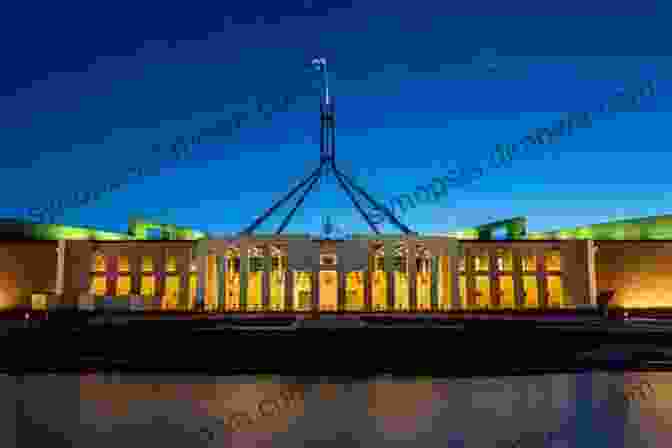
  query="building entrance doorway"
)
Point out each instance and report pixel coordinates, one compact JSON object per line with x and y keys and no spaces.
{"x":328,"y":291}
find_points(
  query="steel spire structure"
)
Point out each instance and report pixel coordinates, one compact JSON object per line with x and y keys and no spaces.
{"x":327,"y":166}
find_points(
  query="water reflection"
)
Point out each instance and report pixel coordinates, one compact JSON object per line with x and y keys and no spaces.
{"x":591,"y":409}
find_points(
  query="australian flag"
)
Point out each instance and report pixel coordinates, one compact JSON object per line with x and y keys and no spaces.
{"x":319,"y":64}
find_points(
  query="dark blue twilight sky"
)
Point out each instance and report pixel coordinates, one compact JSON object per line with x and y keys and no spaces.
{"x":87,"y":88}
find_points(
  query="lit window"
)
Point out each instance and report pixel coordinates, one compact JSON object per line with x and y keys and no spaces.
{"x":147,"y":264}
{"x":123,"y":285}
{"x":504,"y":260}
{"x":530,"y":291}
{"x":99,"y":285}
{"x":99,"y":263}
{"x":172,"y":291}
{"x":147,"y":286}
{"x":529,"y":263}
{"x":555,"y":291}
{"x":463,"y":291}
{"x":481,"y":260}
{"x":193,"y":287}
{"x":124,"y":265}
{"x":39,"y":301}
{"x":482,"y":292}
{"x":552,"y":260}
{"x":507,"y":292}
{"x":171,"y":263}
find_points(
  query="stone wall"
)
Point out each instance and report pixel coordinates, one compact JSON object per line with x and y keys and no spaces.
{"x":577,"y":273}
{"x":77,"y":272}
{"x":640,"y":272}
{"x":26,"y":267}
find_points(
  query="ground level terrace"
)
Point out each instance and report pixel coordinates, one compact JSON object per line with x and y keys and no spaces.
{"x":366,"y":275}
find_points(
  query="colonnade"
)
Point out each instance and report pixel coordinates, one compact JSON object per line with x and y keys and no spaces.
{"x":451,"y":274}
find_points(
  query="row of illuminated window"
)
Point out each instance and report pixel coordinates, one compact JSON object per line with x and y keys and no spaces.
{"x":354,"y":290}
{"x":148,"y":265}
{"x":531,"y":289}
{"x":504,"y":262}
{"x":148,"y":284}
{"x":531,"y":285}
{"x":124,"y":266}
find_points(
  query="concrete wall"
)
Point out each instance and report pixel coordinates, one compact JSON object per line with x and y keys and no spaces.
{"x":576,"y":265}
{"x":78,"y":264}
{"x":639,"y":271}
{"x":26,"y":267}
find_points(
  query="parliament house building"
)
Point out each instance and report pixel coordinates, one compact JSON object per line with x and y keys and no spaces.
{"x":164,"y":267}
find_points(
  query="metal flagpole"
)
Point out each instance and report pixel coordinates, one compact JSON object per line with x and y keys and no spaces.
{"x":327,"y":166}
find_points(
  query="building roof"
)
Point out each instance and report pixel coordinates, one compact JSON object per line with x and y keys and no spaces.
{"x":650,"y":227}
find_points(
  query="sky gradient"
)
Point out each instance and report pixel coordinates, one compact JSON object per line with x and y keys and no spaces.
{"x":85,"y":94}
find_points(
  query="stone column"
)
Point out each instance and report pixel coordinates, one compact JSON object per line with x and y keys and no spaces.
{"x":342,"y":297}
{"x":289,"y":290}
{"x":316,"y":286}
{"x":518,"y":279}
{"x":471,"y":279}
{"x":495,"y":287}
{"x":202,"y":268}
{"x":388,"y":247}
{"x":60,"y":267}
{"x":213,"y":287}
{"x":245,"y":244}
{"x":221,"y":261}
{"x":368,"y":283}
{"x":435,"y":260}
{"x":135,"y":266}
{"x":412,"y":260}
{"x":454,"y":263}
{"x":159,"y":267}
{"x":183,"y":268}
{"x":591,"y":248}
{"x":542,"y":285}
{"x":266,"y":279}
{"x":282,"y":269}
{"x":446,"y":281}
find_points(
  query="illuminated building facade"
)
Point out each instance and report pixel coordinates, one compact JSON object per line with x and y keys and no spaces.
{"x":185,"y":270}
{"x":469,"y":270}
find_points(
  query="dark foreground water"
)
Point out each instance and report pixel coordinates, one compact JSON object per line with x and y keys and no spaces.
{"x":598,"y":409}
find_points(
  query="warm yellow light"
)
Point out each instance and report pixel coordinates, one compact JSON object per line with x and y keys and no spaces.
{"x":99,"y":285}
{"x":8,"y":290}
{"x":4,"y":299}
{"x":123,"y":285}
{"x":39,"y":301}
{"x":644,"y":290}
